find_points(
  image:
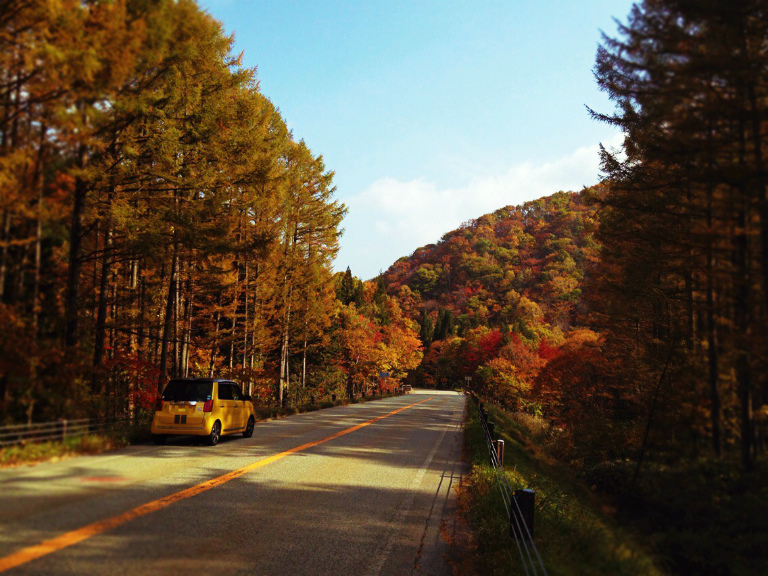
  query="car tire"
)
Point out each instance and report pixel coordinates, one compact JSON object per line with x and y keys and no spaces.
{"x":215,"y":435}
{"x":159,"y":439}
{"x":248,"y":432}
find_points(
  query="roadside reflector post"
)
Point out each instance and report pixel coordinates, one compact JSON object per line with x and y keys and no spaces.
{"x":500,"y":452}
{"x":522,"y":514}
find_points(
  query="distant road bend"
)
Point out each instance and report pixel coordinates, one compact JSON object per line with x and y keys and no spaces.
{"x":364,"y":489}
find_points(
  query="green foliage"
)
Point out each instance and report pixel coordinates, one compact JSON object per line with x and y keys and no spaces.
{"x":44,"y":451}
{"x":426,"y":328}
{"x":425,"y":279}
{"x":573,"y":534}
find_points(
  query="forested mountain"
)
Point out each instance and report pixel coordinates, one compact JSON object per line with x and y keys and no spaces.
{"x":158,"y":219}
{"x":519,"y":266}
{"x":496,"y":298}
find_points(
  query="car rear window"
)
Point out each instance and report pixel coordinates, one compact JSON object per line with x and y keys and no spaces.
{"x":225,"y":391}
{"x":181,"y":390}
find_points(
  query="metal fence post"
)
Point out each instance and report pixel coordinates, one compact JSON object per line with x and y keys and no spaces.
{"x":526,"y":503}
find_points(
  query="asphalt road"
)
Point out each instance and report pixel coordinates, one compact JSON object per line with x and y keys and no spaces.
{"x":365,"y":489}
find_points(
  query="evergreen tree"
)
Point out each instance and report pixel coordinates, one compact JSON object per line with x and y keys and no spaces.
{"x":684,"y":224}
{"x":427,"y":329}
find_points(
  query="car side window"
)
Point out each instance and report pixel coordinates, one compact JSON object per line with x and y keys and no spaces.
{"x":236,"y":393}
{"x":225,"y":391}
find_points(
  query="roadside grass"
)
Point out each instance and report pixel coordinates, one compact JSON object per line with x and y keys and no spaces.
{"x":573,"y":533}
{"x":703,"y":516}
{"x":28,"y":454}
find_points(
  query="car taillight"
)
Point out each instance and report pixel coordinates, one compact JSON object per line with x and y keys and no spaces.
{"x":208,"y":406}
{"x":159,"y":405}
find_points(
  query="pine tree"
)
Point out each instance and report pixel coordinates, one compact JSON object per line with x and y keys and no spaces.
{"x":427,"y":329}
{"x":683,"y":225}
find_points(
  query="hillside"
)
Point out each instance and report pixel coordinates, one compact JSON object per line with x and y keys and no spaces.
{"x":519,"y":267}
{"x":497,"y":296}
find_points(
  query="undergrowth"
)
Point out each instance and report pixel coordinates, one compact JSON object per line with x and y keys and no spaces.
{"x":703,"y":516}
{"x":45,"y":451}
{"x":573,"y":533}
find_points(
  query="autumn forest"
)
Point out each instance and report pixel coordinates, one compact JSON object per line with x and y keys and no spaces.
{"x":158,"y":219}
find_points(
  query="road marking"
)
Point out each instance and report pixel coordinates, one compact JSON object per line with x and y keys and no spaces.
{"x":73,"y":537}
{"x":383,"y":553}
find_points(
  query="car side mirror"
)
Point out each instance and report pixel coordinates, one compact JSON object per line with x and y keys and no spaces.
{"x":246,"y":398}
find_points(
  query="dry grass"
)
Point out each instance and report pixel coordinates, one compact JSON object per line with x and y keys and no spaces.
{"x":28,"y":454}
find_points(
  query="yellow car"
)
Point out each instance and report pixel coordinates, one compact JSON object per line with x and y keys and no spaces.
{"x":208,"y":407}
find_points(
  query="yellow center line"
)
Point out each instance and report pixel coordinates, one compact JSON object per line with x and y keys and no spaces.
{"x":73,"y":537}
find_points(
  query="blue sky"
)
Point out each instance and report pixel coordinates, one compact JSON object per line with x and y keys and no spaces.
{"x":431,"y":113}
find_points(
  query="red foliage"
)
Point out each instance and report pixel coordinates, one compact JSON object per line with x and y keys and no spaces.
{"x":491,"y":343}
{"x":576,"y":386}
{"x":546,"y":351}
{"x":142,"y":377}
{"x":526,"y":361}
{"x":480,"y":346}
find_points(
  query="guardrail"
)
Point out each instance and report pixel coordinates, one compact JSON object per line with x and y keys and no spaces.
{"x":519,"y":504}
{"x":59,"y":430}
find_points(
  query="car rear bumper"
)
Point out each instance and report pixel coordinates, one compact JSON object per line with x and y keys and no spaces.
{"x":203,"y":429}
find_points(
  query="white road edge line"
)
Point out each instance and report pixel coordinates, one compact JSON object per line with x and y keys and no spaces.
{"x":380,"y":557}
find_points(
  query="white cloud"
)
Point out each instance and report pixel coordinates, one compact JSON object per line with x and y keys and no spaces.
{"x":391,"y":219}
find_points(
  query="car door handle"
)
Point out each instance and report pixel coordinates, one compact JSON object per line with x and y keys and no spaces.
{"x":221,"y":405}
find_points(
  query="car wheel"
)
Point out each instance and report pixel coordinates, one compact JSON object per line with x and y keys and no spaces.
{"x":158,"y":439}
{"x":213,"y":437}
{"x":248,"y":432}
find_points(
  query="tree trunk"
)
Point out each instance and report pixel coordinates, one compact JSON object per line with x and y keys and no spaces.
{"x":5,"y":251}
{"x":40,"y":184}
{"x":232,"y":340}
{"x":101,"y":314}
{"x":187,"y":330}
{"x":168,"y":323}
{"x":712,"y":352}
{"x":72,"y":304}
{"x":111,"y":391}
{"x":215,"y":346}
{"x":284,"y":366}
{"x":742,"y":309}
{"x":761,"y":188}
{"x":177,"y":324}
{"x":245,"y":315}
